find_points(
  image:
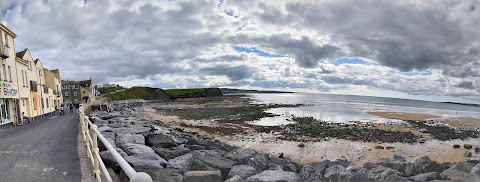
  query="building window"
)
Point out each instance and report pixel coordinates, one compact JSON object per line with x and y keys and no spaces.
{"x":23,"y":102}
{"x":66,"y":94}
{"x":26,"y":79}
{"x":75,"y":93}
{"x":4,"y":72}
{"x":76,"y":101}
{"x":41,"y":99}
{"x":10,"y":73}
{"x":23,"y":79}
{"x":47,"y":102}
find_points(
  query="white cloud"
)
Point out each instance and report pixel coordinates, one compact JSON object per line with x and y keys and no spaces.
{"x":189,"y":43}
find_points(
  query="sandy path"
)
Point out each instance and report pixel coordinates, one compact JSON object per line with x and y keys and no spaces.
{"x":358,"y":152}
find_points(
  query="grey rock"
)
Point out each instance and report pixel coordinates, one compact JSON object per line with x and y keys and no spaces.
{"x":129,"y":138}
{"x":399,"y":158}
{"x":181,"y":163}
{"x":105,"y":129}
{"x":164,"y":175}
{"x":109,"y":135}
{"x":102,"y":147}
{"x":274,"y":176}
{"x":467,"y":146}
{"x":219,"y":163}
{"x":136,"y":149}
{"x":335,"y":173}
{"x":235,"y":179}
{"x":396,"y":178}
{"x":240,"y":155}
{"x":195,"y":147}
{"x":426,"y":164}
{"x":260,"y":162}
{"x":341,"y":161}
{"x":381,"y":173}
{"x":146,"y":161}
{"x":476,"y":172}
{"x":370,"y":165}
{"x":212,"y":153}
{"x":314,"y":172}
{"x":455,"y":175}
{"x":464,"y":166}
{"x":243,"y":171}
{"x":130,"y":130}
{"x":467,"y":154}
{"x":284,"y":164}
{"x":170,"y":153}
{"x":477,"y":149}
{"x":426,"y":177}
{"x":160,"y":141}
{"x":456,"y":146}
{"x":202,"y":176}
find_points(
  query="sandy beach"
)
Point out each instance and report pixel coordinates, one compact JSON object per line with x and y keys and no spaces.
{"x":244,"y":136}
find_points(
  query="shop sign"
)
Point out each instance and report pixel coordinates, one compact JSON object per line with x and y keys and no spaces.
{"x":7,"y":90}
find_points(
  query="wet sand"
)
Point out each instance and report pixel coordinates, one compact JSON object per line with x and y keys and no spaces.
{"x":404,"y":116}
{"x":357,"y":152}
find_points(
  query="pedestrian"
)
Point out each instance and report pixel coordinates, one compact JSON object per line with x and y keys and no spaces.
{"x":24,"y":118}
{"x":71,"y":108}
{"x":62,"y":110}
{"x":77,"y":106}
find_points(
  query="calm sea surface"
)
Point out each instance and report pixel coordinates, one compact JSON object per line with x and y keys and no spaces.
{"x":347,"y":108}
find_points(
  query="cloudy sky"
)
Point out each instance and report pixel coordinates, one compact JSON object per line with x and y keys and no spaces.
{"x":427,"y":49}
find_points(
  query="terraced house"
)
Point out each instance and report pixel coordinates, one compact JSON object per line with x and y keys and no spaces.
{"x":78,"y":92}
{"x":25,"y":86}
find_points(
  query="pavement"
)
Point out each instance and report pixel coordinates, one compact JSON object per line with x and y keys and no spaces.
{"x":43,"y":150}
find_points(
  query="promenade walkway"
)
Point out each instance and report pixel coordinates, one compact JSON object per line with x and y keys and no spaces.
{"x":43,"y":150}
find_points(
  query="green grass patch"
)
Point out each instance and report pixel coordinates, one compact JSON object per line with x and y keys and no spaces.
{"x":107,"y":90}
{"x":139,"y":93}
{"x":185,"y":92}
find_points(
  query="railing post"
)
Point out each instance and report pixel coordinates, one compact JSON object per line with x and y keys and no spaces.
{"x":87,"y":141}
{"x":96,"y":165}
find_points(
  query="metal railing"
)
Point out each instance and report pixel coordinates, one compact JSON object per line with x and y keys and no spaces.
{"x":91,"y":135}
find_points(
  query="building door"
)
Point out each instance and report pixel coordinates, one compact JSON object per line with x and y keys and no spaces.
{"x":5,"y":111}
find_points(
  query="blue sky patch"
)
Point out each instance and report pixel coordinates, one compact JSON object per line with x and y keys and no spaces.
{"x":255,"y":51}
{"x":349,"y":61}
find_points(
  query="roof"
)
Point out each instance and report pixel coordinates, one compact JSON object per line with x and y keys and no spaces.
{"x":21,"y":53}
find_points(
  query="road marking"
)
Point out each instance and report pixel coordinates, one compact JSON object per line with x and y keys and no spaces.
{"x":53,"y":117}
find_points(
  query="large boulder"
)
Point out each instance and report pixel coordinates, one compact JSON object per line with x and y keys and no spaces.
{"x":476,"y":172}
{"x":426,"y":164}
{"x":218,"y":163}
{"x":181,"y":163}
{"x":464,"y":166}
{"x":243,"y":171}
{"x":160,"y":141}
{"x":211,"y":153}
{"x":274,"y":176}
{"x":259,"y":162}
{"x":314,"y":172}
{"x":285,"y":164}
{"x":456,"y":175}
{"x":235,"y":179}
{"x":102,"y":147}
{"x":202,"y":176}
{"x":426,"y":177}
{"x":381,"y":173}
{"x":136,"y":149}
{"x":335,"y":173}
{"x":240,"y":155}
{"x":146,"y":161}
{"x":164,"y":175}
{"x":170,"y":153}
{"x":129,"y":138}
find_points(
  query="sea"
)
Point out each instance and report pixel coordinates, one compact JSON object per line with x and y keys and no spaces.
{"x":335,"y":108}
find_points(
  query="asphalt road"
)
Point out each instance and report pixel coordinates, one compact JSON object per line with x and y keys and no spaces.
{"x":43,"y":150}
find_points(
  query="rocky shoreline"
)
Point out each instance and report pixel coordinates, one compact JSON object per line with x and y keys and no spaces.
{"x":172,"y":154}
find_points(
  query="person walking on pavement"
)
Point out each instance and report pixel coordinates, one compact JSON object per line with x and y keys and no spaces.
{"x":71,"y":108}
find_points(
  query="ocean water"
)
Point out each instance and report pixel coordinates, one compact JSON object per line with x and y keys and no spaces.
{"x":349,"y":108}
